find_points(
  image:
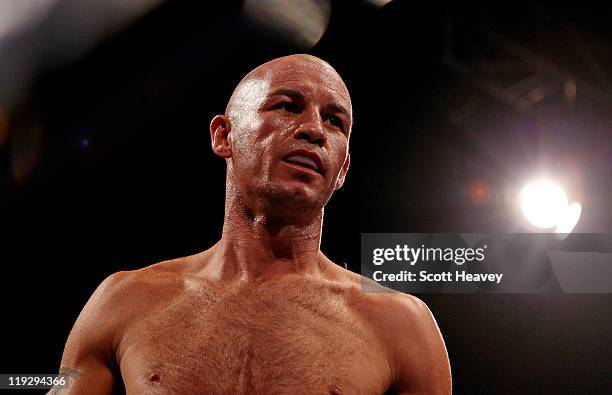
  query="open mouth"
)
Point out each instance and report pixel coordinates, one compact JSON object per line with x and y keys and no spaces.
{"x":303,"y":161}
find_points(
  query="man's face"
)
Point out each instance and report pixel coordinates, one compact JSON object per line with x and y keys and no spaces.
{"x":290,"y":135}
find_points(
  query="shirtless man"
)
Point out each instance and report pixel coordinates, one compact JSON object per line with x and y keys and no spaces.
{"x":263,"y":311}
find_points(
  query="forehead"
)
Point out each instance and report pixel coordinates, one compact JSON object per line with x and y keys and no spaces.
{"x":310,"y":77}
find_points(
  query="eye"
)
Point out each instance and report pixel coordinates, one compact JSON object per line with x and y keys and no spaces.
{"x":288,"y":106}
{"x":336,"y":121}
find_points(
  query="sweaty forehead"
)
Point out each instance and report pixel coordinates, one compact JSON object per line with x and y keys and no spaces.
{"x":308,"y":72}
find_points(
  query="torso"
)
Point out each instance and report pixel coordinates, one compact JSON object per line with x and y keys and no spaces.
{"x":296,"y":335}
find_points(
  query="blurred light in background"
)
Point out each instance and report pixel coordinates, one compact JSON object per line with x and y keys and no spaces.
{"x":16,"y":15}
{"x":569,"y":219}
{"x":26,"y":149}
{"x":479,"y":192}
{"x":545,"y":205}
{"x":85,"y":142}
{"x":4,"y":126}
{"x":569,"y":89}
{"x":300,"y":23}
{"x":378,"y":3}
{"x":40,"y":34}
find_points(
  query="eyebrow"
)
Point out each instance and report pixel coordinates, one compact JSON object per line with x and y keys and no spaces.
{"x":296,"y":94}
{"x":287,"y":92}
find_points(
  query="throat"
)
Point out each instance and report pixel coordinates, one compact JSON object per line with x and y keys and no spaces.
{"x":260,"y":259}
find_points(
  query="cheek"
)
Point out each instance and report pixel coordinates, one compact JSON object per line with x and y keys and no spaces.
{"x":264,"y":134}
{"x":253,"y":150}
{"x":340,"y":149}
{"x":280,"y":123}
{"x":257,"y":141}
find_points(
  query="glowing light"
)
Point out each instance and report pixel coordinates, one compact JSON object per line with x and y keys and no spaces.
{"x":544,"y":203}
{"x":479,"y":192}
{"x":569,"y":218}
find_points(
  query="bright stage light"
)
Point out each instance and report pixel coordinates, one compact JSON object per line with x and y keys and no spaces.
{"x":544,"y":203}
{"x":569,"y":219}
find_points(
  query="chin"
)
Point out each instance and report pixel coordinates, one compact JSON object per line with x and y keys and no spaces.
{"x":296,"y":195}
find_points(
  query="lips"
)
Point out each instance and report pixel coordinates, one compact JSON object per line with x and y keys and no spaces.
{"x":305,"y":158}
{"x":303,"y":161}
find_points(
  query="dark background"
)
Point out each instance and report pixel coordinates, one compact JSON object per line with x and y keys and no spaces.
{"x":107,"y":165}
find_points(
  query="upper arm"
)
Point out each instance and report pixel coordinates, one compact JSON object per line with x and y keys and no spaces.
{"x":88,"y":358}
{"x":419,"y":354}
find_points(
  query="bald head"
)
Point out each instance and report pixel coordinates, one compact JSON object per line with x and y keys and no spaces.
{"x":304,"y":68}
{"x":285,"y":135}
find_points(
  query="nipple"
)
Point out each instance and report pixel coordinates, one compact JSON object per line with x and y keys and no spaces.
{"x":155,"y":378}
{"x":334,"y":390}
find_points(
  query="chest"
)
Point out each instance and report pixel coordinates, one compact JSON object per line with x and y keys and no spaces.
{"x":276,"y":340}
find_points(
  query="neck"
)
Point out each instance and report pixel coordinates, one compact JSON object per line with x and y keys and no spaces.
{"x":257,"y":244}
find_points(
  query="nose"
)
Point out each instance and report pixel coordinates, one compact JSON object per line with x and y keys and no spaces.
{"x":311,"y":129}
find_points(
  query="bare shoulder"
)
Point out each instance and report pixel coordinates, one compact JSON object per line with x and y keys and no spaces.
{"x":144,"y":286}
{"x":414,"y":343}
{"x":393,"y":310}
{"x":125,"y":295}
{"x":91,"y":349}
{"x":398,"y":310}
{"x":408,"y":331}
{"x":380,"y":302}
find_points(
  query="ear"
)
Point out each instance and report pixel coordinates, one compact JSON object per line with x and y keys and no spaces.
{"x":220,"y":137}
{"x":343,"y":171}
